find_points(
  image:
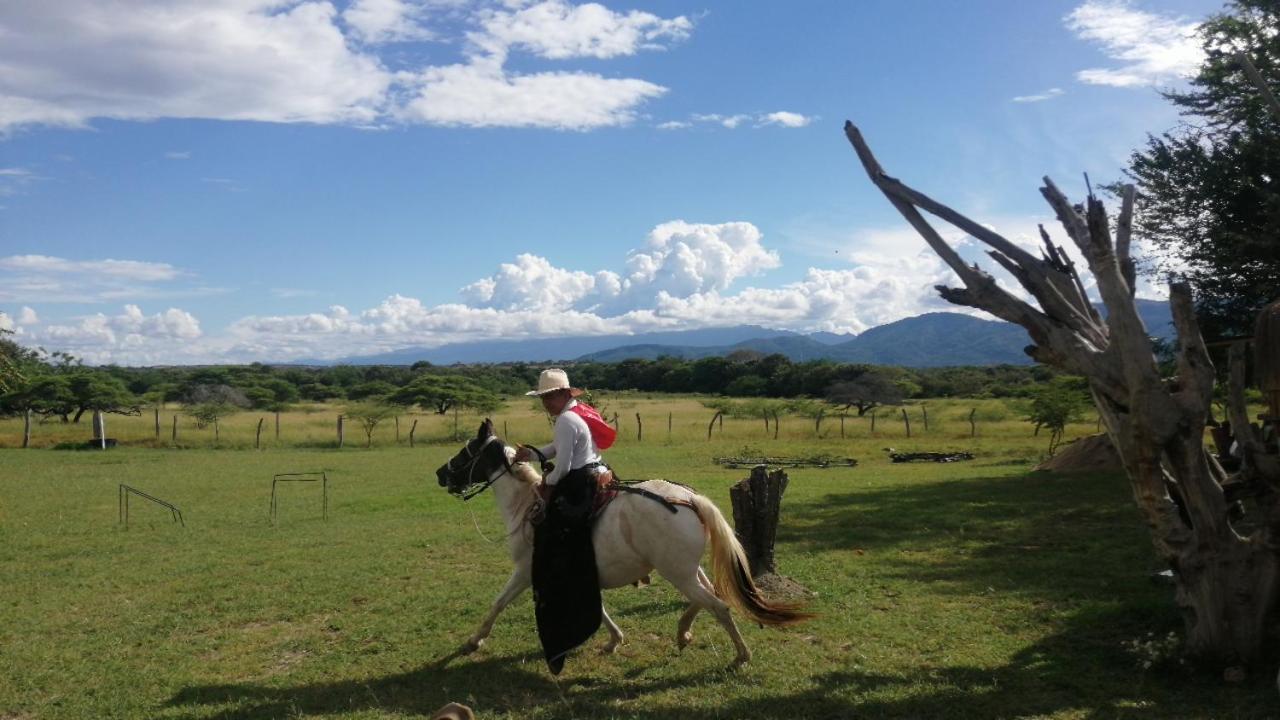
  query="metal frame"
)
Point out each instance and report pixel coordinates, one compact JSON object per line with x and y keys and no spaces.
{"x":123,"y":499}
{"x":320,"y":477}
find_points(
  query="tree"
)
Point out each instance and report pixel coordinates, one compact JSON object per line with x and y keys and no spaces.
{"x":1224,"y":555}
{"x":371,"y":389}
{"x":42,"y":394}
{"x":1210,"y":189}
{"x":99,"y":392}
{"x":442,"y":393}
{"x":1056,"y":404}
{"x":870,"y":390}
{"x":369,"y":414}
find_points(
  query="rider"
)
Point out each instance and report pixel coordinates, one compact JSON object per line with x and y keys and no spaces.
{"x":566,"y":588}
{"x":580,"y":434}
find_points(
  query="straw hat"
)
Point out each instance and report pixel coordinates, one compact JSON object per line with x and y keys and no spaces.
{"x":553,"y":379}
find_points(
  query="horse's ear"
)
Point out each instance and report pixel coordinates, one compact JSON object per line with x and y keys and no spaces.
{"x":486,"y":429}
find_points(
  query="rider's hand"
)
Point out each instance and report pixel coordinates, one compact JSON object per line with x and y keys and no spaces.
{"x":523,"y":454}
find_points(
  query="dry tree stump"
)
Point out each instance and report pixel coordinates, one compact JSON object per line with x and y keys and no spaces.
{"x":757,"y":507}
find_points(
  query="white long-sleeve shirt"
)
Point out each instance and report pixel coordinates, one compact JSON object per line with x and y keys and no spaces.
{"x":572,"y":444}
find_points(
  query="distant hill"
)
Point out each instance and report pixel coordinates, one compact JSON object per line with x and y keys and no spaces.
{"x":929,"y":340}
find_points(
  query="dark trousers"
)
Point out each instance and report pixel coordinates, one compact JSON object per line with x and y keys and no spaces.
{"x":566,"y":586}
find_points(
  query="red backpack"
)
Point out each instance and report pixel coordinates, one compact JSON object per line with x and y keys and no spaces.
{"x":601,"y":432}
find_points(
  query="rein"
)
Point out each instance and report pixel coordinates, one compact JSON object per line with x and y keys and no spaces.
{"x":473,"y":489}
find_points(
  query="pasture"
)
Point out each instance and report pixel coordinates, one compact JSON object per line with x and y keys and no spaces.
{"x":972,"y":589}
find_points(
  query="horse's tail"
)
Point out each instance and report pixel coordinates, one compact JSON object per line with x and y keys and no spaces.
{"x":732,"y":577}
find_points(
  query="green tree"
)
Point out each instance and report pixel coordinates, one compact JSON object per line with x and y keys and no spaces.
{"x":369,"y":414}
{"x":441,"y":393}
{"x":1056,"y":404}
{"x":97,"y":391}
{"x":869,"y":390}
{"x":371,"y":389}
{"x":1210,"y":189}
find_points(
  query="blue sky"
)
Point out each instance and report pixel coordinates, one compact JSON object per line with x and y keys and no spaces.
{"x":188,"y":181}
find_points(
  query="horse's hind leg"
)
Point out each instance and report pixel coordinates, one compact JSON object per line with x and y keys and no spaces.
{"x":683,"y":635}
{"x":691,"y":587}
{"x":516,"y":584}
{"x":615,"y":633}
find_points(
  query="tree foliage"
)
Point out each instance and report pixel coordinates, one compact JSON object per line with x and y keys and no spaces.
{"x":1056,"y":404}
{"x":1210,"y":189}
{"x":441,"y":393}
{"x":871,"y":390}
{"x":369,"y":414}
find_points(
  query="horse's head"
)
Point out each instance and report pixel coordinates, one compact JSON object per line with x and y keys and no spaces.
{"x":474,"y":464}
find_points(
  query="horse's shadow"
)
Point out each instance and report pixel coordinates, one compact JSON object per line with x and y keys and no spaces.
{"x":511,"y":683}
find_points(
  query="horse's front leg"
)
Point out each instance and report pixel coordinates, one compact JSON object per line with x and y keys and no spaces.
{"x":516,"y":584}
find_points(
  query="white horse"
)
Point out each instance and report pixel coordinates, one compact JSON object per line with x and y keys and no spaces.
{"x":633,"y":536}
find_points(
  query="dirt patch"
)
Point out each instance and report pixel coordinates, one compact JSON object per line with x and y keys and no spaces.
{"x":779,"y":587}
{"x":1094,"y":453}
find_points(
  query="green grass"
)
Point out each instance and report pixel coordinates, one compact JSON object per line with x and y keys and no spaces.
{"x":964,"y":590}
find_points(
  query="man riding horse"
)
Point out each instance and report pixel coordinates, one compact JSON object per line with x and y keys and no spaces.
{"x":566,"y":585}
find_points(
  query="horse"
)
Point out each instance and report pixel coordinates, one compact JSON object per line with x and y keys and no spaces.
{"x":633,"y":536}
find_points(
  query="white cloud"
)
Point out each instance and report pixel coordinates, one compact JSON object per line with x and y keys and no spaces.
{"x":674,"y":125}
{"x":1154,"y":48}
{"x":27,"y":316}
{"x":178,"y":155}
{"x":6,"y":322}
{"x":785,"y":119}
{"x":381,"y":21}
{"x":131,"y":337}
{"x":483,"y":95}
{"x":48,"y":279}
{"x":123,"y":269}
{"x":729,"y":121}
{"x":301,"y":61}
{"x":558,"y":31}
{"x":1039,"y":97}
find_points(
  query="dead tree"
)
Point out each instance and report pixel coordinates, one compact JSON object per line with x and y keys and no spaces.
{"x":1226,"y":570}
{"x":757,"y":505}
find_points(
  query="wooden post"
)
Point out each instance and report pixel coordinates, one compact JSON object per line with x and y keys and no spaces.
{"x":668,"y":427}
{"x":175,"y":427}
{"x":777,"y":424}
{"x":157,"y":421}
{"x":873,"y":421}
{"x":766,"y":422}
{"x":906,"y":421}
{"x":412,"y":430}
{"x":639,"y":428}
{"x":757,"y":504}
{"x":925,"y":410}
{"x":257,"y":438}
{"x":217,"y":435}
{"x":455,"y":423}
{"x":100,"y":429}
{"x":339,"y":431}
{"x":817,"y":423}
{"x":277,"y":426}
{"x":842,"y":425}
{"x":505,"y":432}
{"x":973,"y":426}
{"x":397,"y":429}
{"x":616,"y":426}
{"x":722,"y":422}
{"x":26,"y":428}
{"x":711,"y":425}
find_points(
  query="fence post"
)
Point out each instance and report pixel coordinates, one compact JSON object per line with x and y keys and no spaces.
{"x":777,"y":424}
{"x":668,"y":427}
{"x":907,"y":421}
{"x":100,"y":428}
{"x":973,"y":427}
{"x":711,"y":425}
{"x":925,"y":410}
{"x":339,"y":431}
{"x":257,"y":438}
{"x":217,"y":435}
{"x":157,"y":421}
{"x":397,"y":429}
{"x":412,"y":430}
{"x":842,"y":425}
{"x":873,"y":421}
{"x":277,"y":426}
{"x":175,"y":427}
{"x":639,"y":428}
{"x":26,"y":428}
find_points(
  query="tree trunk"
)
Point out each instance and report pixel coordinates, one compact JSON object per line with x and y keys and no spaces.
{"x":100,"y":429}
{"x":79,"y":412}
{"x":973,"y":427}
{"x":26,"y":428}
{"x":925,"y":411}
{"x":873,"y":421}
{"x":1225,"y":564}
{"x":757,"y":505}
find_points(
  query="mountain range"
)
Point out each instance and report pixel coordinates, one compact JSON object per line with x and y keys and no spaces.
{"x":930,"y":340}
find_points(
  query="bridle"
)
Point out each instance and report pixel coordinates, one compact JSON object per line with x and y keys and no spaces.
{"x":472,"y":460}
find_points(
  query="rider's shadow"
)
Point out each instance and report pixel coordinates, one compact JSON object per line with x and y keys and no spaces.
{"x":509,"y":683}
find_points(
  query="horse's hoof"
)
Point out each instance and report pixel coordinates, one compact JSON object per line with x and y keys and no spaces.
{"x":683,"y":640}
{"x":739,"y":662}
{"x":470,"y":646}
{"x":610,"y":649}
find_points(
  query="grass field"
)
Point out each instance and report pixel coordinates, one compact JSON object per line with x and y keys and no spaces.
{"x":967,"y":590}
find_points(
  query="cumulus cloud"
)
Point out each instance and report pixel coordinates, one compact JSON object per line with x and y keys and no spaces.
{"x":785,"y":119}
{"x":381,"y":21}
{"x":27,"y":316}
{"x":132,"y":336}
{"x":1153,"y":48}
{"x":1049,"y":94}
{"x":303,"y":61}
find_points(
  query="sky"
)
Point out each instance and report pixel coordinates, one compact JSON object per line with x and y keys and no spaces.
{"x":207,"y":181}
